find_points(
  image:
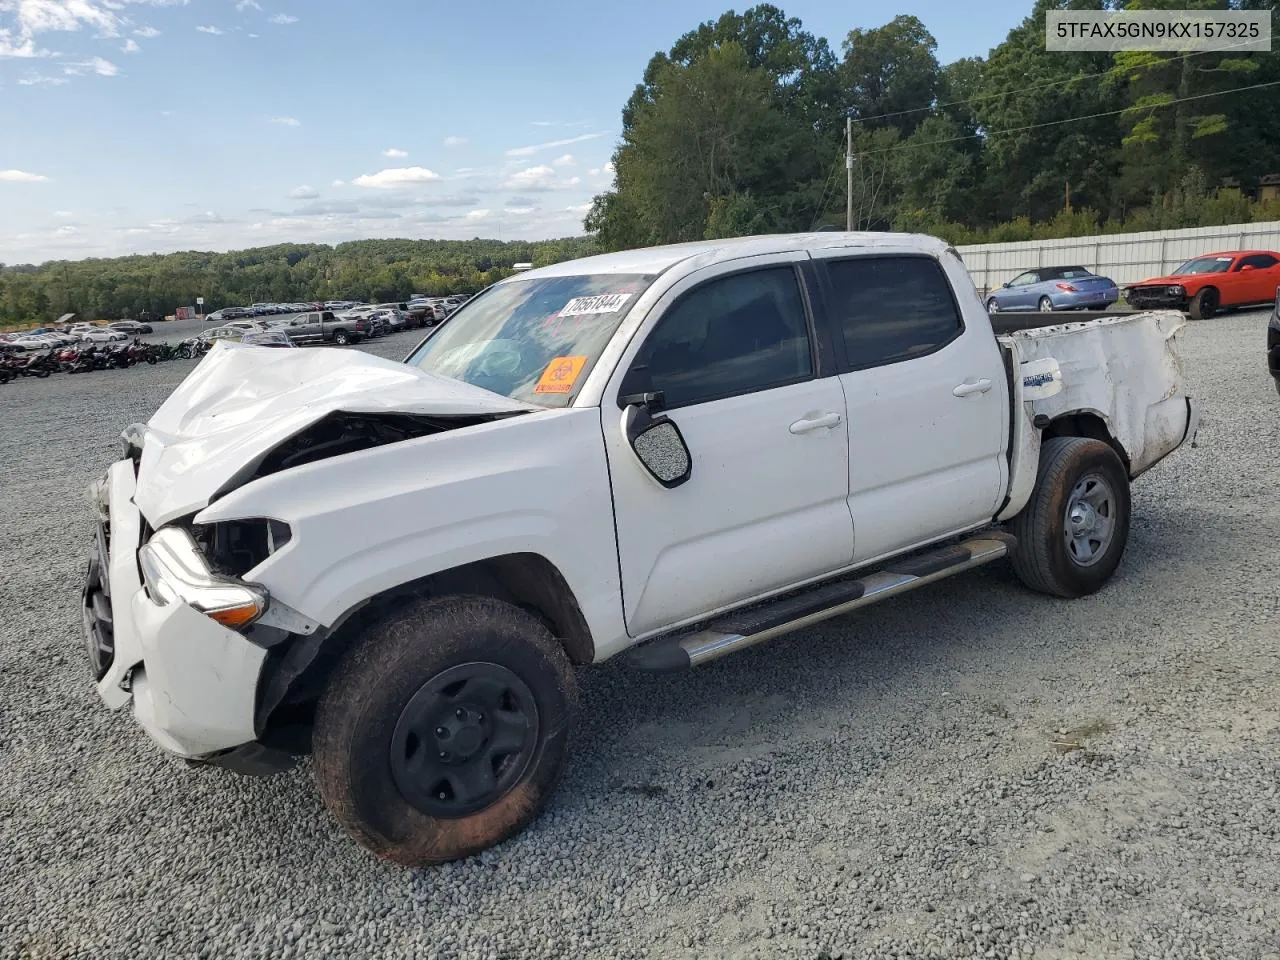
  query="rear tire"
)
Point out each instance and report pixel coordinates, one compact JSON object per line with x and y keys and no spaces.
{"x":386,"y":771}
{"x":1072,"y":533}
{"x":1046,"y":305}
{"x":341,"y":338}
{"x":1204,"y":305}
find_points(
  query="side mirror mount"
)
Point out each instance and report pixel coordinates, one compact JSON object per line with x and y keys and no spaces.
{"x":656,"y":440}
{"x":1005,"y":285}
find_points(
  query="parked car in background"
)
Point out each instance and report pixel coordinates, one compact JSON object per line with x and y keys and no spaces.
{"x":267,"y":338}
{"x":91,"y":334}
{"x":228,"y":313}
{"x":325,"y":326}
{"x":1204,"y":285}
{"x":131,"y":327}
{"x":393,"y":320}
{"x":1273,"y":341}
{"x":1055,"y":288}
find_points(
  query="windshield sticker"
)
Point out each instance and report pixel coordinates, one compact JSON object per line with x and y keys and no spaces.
{"x":560,"y":375}
{"x":605,"y":303}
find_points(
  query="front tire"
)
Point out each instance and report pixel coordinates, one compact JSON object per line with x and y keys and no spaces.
{"x":1072,"y":533}
{"x":993,"y":305}
{"x":444,"y":729}
{"x":1204,"y":305}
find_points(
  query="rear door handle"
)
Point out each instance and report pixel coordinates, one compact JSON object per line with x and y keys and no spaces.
{"x":824,"y":422}
{"x":970,"y":388}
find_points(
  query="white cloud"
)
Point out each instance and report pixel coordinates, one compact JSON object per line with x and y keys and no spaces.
{"x":339,"y":183}
{"x":253,"y":36}
{"x":63,"y":214}
{"x":286,"y":121}
{"x":396,"y":177}
{"x":541,"y":177}
{"x":130,"y":46}
{"x":519,"y":211}
{"x":21,"y":176}
{"x":24,"y":49}
{"x":40,"y":80}
{"x":304,"y":193}
{"x":535,"y":148}
{"x":477,"y":214}
{"x":216,"y":31}
{"x":242,"y":5}
{"x":454,"y":141}
{"x":283,"y":19}
{"x":103,"y":68}
{"x":609,"y":168}
{"x":395,"y":152}
{"x":564,"y":161}
{"x":579,"y":208}
{"x":147,"y":33}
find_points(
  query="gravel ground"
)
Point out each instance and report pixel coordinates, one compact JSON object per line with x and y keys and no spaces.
{"x":892,"y":784}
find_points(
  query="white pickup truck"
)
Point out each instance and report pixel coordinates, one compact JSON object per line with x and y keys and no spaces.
{"x":676,"y":452}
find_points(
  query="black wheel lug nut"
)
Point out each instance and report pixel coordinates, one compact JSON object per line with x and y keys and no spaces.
{"x":461,"y":714}
{"x":441,"y":732}
{"x":444,"y":755}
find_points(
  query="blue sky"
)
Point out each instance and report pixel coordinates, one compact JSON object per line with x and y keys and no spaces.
{"x":153,"y":125}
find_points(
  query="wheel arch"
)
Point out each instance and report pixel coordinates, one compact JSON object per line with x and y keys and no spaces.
{"x":1090,"y":424}
{"x":297,"y":670}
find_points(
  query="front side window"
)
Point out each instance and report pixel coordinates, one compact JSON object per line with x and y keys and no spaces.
{"x":732,"y":335}
{"x":533,"y":340}
{"x":892,"y":308}
{"x":1025,"y":279}
{"x":1259,"y":261}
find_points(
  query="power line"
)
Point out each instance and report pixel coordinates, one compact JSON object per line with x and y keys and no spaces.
{"x":1053,"y":123}
{"x":1043,"y":85}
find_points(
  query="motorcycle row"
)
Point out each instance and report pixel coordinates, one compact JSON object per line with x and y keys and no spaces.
{"x":83,"y":359}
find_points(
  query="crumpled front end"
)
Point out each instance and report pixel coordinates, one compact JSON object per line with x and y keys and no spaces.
{"x":191,"y":681}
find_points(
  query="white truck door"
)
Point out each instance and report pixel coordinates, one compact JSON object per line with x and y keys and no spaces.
{"x":732,"y":350}
{"x":927,"y":396}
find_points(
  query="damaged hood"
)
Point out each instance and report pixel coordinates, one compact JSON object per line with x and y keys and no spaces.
{"x":242,"y":402}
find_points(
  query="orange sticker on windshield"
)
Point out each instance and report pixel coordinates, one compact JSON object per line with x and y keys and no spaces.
{"x":561,"y":374}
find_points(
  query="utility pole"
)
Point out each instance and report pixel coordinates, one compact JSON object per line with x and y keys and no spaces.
{"x":848,"y":169}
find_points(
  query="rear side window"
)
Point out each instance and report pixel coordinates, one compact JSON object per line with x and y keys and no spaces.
{"x":890,"y":309}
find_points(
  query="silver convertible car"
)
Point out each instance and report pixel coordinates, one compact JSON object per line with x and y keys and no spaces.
{"x":1054,"y":288}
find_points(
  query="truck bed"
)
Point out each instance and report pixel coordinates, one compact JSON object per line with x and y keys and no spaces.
{"x":1121,"y":368}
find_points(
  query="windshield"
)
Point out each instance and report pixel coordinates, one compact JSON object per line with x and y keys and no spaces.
{"x":532,"y":340}
{"x":1205,"y":265}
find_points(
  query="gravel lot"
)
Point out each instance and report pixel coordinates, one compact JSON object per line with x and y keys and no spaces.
{"x":886,"y":785}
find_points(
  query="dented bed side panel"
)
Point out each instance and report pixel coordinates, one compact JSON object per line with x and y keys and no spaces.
{"x":1126,"y":371}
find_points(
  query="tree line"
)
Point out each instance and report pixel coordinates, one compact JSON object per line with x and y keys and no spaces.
{"x":740,"y":129}
{"x":376,"y":271}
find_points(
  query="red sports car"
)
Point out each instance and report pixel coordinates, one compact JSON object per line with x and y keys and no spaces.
{"x":1204,"y":285}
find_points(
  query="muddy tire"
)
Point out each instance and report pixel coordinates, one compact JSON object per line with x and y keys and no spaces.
{"x":1073,"y":531}
{"x":444,"y":729}
{"x":1204,"y":305}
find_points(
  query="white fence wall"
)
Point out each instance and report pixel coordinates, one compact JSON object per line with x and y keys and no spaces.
{"x":1124,"y":257}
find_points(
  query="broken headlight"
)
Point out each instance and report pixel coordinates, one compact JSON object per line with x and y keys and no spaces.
{"x":174,"y":571}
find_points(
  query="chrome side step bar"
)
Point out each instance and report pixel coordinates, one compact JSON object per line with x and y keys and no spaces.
{"x":739,"y":630}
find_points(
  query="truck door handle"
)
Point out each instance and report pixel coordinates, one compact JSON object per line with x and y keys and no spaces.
{"x":971,"y":387}
{"x":826,"y":421}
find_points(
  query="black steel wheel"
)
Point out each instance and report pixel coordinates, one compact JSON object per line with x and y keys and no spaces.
{"x":464,"y":740}
{"x":444,"y":728}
